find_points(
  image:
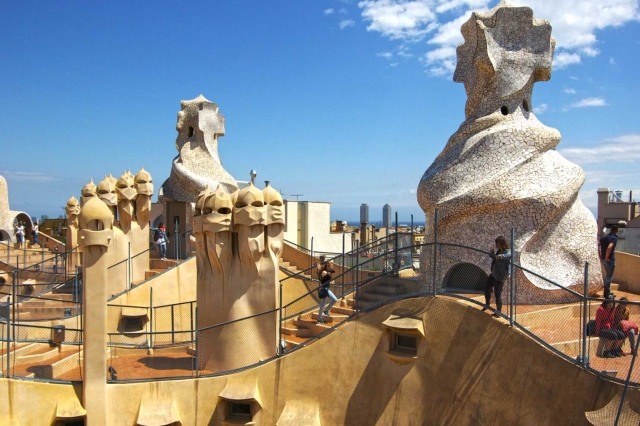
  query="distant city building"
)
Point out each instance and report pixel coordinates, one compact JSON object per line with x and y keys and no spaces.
{"x":308,"y":225}
{"x":386,"y":216}
{"x":618,"y":208}
{"x":364,"y":213}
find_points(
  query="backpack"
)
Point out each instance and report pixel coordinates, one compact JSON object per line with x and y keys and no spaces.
{"x":591,"y":328}
{"x":156,"y":235}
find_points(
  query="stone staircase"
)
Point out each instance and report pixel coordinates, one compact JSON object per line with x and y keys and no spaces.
{"x":290,"y":269}
{"x":375,"y":292}
{"x":156,"y":267}
{"x":52,"y":306}
{"x":29,"y":255}
{"x":305,"y":326}
{"x":44,"y":361}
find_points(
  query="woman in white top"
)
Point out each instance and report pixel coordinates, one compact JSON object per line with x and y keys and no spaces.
{"x":20,"y":233}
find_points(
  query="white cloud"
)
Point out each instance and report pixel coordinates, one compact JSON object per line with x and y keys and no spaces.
{"x":564,"y":59}
{"x":540,"y":109}
{"x":575,"y":23}
{"x":405,"y":54}
{"x":589,"y":102}
{"x":440,"y":54}
{"x":399,"y":19}
{"x":622,"y":149}
{"x":343,"y":11}
{"x":346,"y":23}
{"x":570,"y":91}
{"x":448,"y":34}
{"x":386,"y":55}
{"x":328,"y":11}
{"x":612,"y":61}
{"x":611,"y":163}
{"x":447,"y":5}
{"x":394,"y":64}
{"x":590,"y":51}
{"x":26,"y":176}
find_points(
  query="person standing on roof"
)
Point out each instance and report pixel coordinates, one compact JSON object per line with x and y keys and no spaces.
{"x":500,"y":271}
{"x":20,"y":233}
{"x":608,"y":257}
{"x":160,"y":239}
{"x":34,"y":232}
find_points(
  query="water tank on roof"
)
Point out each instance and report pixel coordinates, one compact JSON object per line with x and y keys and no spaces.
{"x":618,"y":193}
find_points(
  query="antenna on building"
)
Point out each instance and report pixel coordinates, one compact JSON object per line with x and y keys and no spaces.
{"x":294,"y":195}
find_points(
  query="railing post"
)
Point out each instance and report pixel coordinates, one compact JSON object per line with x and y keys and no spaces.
{"x":626,"y":383}
{"x":75,"y":288}
{"x":14,"y":298}
{"x":357,"y":282}
{"x":512,"y":282}
{"x":342,"y":264}
{"x":197,"y":345}
{"x":42,"y":254}
{"x":396,"y":261}
{"x":191,"y":319}
{"x":411,"y":244}
{"x":9,"y":325}
{"x":64,"y":263}
{"x":173,"y":339}
{"x":129,"y":271}
{"x":151,"y":318}
{"x":435,"y":250}
{"x":279,"y":350}
{"x":585,"y":317}
{"x":386,"y":251}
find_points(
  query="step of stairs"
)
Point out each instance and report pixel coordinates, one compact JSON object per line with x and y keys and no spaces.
{"x":150,"y":273}
{"x":162,"y":264}
{"x":342,"y":310}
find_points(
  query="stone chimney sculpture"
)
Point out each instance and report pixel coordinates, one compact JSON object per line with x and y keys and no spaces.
{"x":129,"y":201}
{"x":96,"y":237}
{"x":72,"y":211}
{"x":198,"y":164}
{"x":88,"y":191}
{"x":501,"y":170}
{"x":239,"y":241}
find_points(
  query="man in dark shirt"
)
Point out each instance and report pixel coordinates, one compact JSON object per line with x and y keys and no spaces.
{"x":608,"y":256}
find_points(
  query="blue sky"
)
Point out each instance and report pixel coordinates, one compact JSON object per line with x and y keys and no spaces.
{"x":341,"y":101}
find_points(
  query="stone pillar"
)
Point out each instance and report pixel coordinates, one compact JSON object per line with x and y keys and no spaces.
{"x":95,"y":236}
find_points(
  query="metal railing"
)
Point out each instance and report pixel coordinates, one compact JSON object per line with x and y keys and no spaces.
{"x":125,"y":270}
{"x":171,"y":344}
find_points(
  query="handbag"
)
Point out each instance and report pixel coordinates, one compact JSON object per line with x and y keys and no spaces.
{"x":323,"y":292}
{"x":591,"y":328}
